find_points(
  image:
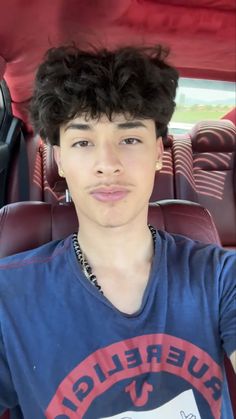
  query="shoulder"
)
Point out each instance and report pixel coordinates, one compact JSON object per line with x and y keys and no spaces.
{"x":180,"y":241}
{"x":22,"y":264}
{"x":184,"y":250}
{"x":206,"y":272}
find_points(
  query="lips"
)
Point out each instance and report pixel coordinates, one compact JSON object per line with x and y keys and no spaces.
{"x":109,"y":194}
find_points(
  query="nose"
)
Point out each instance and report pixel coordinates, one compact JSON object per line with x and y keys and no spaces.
{"x":108,"y":161}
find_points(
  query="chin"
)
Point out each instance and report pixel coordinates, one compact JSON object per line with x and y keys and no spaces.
{"x":113,"y":220}
{"x":112,"y":217}
{"x":112,"y":223}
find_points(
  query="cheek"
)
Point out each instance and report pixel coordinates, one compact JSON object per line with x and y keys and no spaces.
{"x":148,"y":169}
{"x":143,"y":159}
{"x":146,"y":165}
{"x":143,"y":176}
{"x":75,"y":174}
{"x":72,"y":164}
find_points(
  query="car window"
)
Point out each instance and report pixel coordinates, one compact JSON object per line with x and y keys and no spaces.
{"x":199,"y":100}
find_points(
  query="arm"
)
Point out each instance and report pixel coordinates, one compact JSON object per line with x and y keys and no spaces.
{"x":227,"y":312}
{"x":8,"y":397}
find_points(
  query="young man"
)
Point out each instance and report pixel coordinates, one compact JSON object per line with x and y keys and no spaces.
{"x":118,"y":320}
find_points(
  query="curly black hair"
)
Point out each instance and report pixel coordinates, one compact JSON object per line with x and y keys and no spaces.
{"x":135,"y":81}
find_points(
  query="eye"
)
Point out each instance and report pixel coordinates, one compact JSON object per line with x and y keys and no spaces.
{"x":131,"y":141}
{"x":82,"y":143}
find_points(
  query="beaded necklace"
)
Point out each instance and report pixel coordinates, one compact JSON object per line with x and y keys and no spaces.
{"x":87,"y":270}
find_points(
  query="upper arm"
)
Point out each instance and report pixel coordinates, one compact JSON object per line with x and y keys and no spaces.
{"x":227,"y":318}
{"x":8,"y":397}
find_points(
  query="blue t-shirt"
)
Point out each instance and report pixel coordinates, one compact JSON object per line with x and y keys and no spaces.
{"x":66,"y":352}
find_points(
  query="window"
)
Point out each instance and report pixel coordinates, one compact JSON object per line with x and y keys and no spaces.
{"x":198,"y":100}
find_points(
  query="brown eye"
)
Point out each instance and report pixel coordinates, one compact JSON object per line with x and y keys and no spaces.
{"x":81,"y":143}
{"x":131,"y":141}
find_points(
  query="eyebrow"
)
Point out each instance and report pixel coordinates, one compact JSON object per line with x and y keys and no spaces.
{"x":121,"y":125}
{"x":131,"y":124}
{"x":78,"y":125}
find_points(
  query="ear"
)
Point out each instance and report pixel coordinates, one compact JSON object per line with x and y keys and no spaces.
{"x":57,"y":157}
{"x":159,"y":153}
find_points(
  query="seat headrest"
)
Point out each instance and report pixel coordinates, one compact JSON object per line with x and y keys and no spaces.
{"x":214,"y":136}
{"x":55,"y":182}
{"x":167,"y":141}
{"x":35,"y":223}
{"x":2,"y":67}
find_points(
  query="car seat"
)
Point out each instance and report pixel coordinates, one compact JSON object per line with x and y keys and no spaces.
{"x":35,"y":223}
{"x":205,"y":172}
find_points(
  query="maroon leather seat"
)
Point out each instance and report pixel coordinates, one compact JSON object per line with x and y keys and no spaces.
{"x":54,"y":186}
{"x":164,"y":187}
{"x":44,"y":182}
{"x":33,"y":148}
{"x":26,"y":225}
{"x":205,"y":172}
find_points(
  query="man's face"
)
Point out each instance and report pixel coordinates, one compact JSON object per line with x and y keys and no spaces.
{"x":109,"y":167}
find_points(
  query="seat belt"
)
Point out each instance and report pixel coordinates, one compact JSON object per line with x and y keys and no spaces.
{"x":23,"y":172}
{"x":4,"y":161}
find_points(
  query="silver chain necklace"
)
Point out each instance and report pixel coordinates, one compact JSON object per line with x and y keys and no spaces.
{"x":87,"y":270}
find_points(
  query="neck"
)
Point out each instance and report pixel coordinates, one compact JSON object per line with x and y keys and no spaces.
{"x":125,"y":246}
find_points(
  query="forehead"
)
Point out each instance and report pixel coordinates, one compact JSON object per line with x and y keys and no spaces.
{"x":118,"y":121}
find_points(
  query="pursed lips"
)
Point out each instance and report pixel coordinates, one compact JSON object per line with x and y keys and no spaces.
{"x":109,"y":194}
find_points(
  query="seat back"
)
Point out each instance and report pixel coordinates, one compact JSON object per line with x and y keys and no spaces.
{"x":205,"y":172}
{"x":33,"y":152}
{"x":164,"y":179}
{"x":54,"y":186}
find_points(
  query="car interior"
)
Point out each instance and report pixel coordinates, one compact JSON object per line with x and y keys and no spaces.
{"x":195,"y":191}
